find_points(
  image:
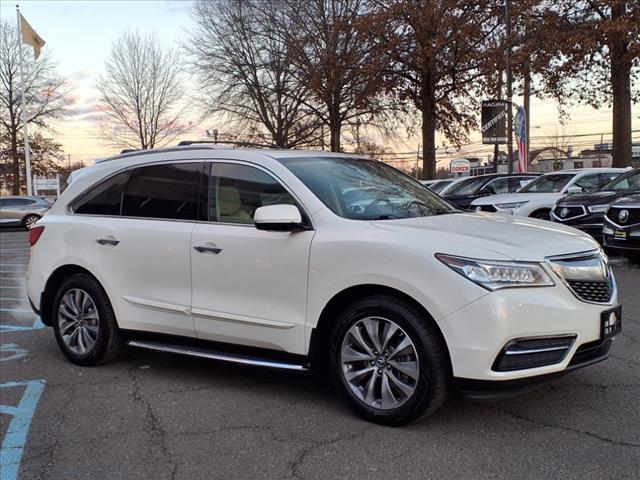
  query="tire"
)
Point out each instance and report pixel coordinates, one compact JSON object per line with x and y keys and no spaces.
{"x":30,"y":220}
{"x":426,"y":356}
{"x":97,"y":329}
{"x":544,"y":214}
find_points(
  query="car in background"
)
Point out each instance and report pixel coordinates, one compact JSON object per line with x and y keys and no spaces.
{"x":22,"y":211}
{"x":538,"y":198}
{"x":621,"y":230}
{"x":441,"y":186}
{"x":466,"y":191}
{"x":586,"y":211}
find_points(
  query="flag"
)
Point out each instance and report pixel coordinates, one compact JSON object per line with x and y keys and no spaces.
{"x":30,"y":37}
{"x":521,"y":139}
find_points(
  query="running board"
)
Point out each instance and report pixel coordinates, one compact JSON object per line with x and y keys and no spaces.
{"x":216,"y":355}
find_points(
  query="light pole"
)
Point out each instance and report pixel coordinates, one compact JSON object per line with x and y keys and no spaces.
{"x":507,"y":14}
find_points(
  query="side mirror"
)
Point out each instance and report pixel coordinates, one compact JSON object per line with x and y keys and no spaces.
{"x":574,"y":189}
{"x":278,"y":218}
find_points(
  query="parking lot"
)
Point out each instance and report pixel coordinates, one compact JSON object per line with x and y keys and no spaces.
{"x":159,"y":416}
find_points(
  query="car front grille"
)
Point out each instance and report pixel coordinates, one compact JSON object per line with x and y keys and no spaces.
{"x":567,"y":213}
{"x":598,"y":292}
{"x":587,"y":275}
{"x":633,"y":215}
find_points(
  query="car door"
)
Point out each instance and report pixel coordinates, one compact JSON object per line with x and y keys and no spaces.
{"x":141,"y":229}
{"x":249,"y":285}
{"x":13,"y":209}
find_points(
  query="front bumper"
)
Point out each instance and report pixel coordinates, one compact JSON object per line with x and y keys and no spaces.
{"x":487,"y":390}
{"x":477,"y":333}
{"x":590,"y":223}
{"x":630,"y":243}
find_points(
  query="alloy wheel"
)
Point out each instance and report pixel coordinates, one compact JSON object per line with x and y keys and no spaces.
{"x":379,"y":363}
{"x":78,"y":321}
{"x":30,"y":221}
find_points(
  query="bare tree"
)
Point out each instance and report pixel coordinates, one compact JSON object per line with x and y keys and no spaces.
{"x":595,"y":60}
{"x":142,"y":93}
{"x":240,"y":55}
{"x":338,"y":62}
{"x":439,"y":52}
{"x":46,"y":96}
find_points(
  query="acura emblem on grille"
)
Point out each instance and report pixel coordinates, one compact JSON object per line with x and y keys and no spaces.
{"x":564,"y":212}
{"x":624,"y":216}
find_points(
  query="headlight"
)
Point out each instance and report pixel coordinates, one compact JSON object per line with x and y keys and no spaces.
{"x":510,"y":205}
{"x":598,"y":208}
{"x":495,"y":274}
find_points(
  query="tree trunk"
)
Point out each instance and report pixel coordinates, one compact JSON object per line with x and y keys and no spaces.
{"x":428,"y":105}
{"x":621,"y":88}
{"x":335,"y":129}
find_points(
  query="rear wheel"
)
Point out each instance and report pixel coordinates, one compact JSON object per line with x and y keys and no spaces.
{"x":388,"y":361}
{"x":30,"y":220}
{"x":83,"y":321}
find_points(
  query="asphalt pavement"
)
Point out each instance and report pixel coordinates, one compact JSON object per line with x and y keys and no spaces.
{"x":160,"y":416}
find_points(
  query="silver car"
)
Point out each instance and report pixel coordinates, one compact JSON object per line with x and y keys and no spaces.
{"x":22,"y":211}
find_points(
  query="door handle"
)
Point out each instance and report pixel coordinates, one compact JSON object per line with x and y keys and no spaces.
{"x":208,"y":248}
{"x":108,"y":241}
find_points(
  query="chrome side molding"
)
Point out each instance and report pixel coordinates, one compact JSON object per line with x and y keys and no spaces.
{"x":216,"y":355}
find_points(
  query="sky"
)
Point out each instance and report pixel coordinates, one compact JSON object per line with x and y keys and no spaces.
{"x":79,"y":35}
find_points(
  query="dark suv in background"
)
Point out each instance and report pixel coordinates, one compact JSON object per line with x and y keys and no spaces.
{"x":621,"y":230}
{"x":585,"y":211}
{"x":466,"y":191}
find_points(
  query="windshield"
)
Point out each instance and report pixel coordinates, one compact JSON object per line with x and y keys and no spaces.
{"x":550,"y":183}
{"x":468,"y":186}
{"x":439,"y":186}
{"x":629,"y":182}
{"x":365,"y":189}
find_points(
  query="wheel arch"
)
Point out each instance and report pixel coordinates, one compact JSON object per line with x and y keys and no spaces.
{"x":57,"y":277}
{"x":320,"y":334}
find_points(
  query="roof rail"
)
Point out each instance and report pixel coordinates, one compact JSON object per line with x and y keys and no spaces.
{"x":128,"y":150}
{"x":239,"y":144}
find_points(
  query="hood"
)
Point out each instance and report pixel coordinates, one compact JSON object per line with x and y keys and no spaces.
{"x":512,"y":197}
{"x":628,"y":201}
{"x":499,"y":236}
{"x":593,"y":198}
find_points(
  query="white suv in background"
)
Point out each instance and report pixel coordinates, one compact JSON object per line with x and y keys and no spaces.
{"x":271,"y":258}
{"x":538,"y":198}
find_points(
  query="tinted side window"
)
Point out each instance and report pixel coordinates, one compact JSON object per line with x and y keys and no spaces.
{"x":589,"y":183}
{"x":103,"y":199}
{"x":163,"y":191}
{"x":500,"y":185}
{"x":236,"y":191}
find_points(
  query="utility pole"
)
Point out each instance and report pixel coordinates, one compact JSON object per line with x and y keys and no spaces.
{"x":417,"y":162}
{"x":69,"y":160}
{"x":507,"y":14}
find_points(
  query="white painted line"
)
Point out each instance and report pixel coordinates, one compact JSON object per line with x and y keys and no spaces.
{"x":11,"y":298}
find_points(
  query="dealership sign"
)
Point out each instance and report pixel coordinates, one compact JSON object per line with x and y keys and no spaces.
{"x":460,"y":165}
{"x":494,"y":121}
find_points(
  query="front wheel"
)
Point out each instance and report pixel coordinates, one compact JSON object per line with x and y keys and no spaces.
{"x":83,"y":322}
{"x":388,"y":361}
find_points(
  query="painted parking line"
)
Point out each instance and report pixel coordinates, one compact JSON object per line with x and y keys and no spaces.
{"x":16,"y":352}
{"x":17,"y":310}
{"x":16,"y":437}
{"x":12,"y":288}
{"x":12,"y":298}
{"x":37,"y":325}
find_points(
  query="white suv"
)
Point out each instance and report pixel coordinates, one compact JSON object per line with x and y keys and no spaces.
{"x":538,"y":198}
{"x":271,"y":258}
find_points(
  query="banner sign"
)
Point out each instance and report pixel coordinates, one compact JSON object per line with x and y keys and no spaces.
{"x":494,"y":121}
{"x":460,"y":165}
{"x":521,"y":138}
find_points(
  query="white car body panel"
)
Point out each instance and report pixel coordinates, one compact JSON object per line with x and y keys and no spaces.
{"x":269,"y":289}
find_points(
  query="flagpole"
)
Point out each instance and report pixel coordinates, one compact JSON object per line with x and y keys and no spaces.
{"x":27,"y":149}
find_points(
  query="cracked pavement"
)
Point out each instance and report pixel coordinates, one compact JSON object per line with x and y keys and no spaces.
{"x":160,"y":416}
